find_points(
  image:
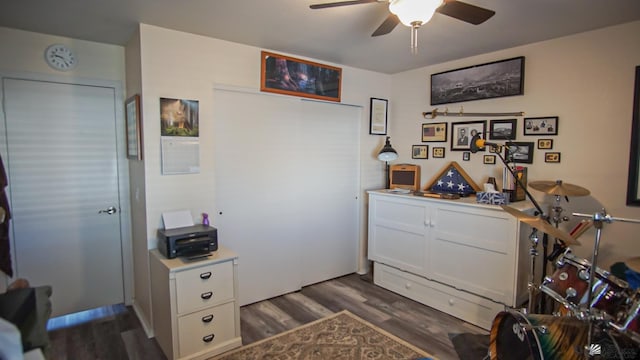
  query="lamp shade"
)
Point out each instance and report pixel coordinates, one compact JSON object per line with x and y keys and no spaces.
{"x":412,"y":12}
{"x":387,"y":153}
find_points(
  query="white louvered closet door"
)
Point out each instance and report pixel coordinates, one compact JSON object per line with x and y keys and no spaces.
{"x":287,"y":175}
{"x":62,"y":168}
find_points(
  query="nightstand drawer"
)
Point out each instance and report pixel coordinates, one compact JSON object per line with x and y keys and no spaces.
{"x":204,"y":286}
{"x":206,"y":328}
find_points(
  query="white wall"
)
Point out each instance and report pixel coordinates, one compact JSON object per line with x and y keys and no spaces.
{"x":587,"y":80}
{"x":182,"y":65}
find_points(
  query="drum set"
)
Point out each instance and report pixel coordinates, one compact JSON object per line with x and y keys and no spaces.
{"x":592,"y":314}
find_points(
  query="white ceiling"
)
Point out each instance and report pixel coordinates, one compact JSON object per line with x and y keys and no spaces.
{"x":339,"y":35}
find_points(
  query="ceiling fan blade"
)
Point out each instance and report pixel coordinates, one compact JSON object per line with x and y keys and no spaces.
{"x":466,"y":12}
{"x":341,"y":3}
{"x":387,"y":25}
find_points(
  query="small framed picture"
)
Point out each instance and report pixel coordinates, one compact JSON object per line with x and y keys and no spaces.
{"x":494,"y":149}
{"x":545,"y":143}
{"x":434,"y":132}
{"x":438,"y":152}
{"x":541,"y":126}
{"x":134,"y":130}
{"x":462,"y":132}
{"x":378,"y":116}
{"x":521,"y":152}
{"x":489,"y":159}
{"x":466,"y":156}
{"x":420,"y":152}
{"x":552,"y":157}
{"x":502,"y":129}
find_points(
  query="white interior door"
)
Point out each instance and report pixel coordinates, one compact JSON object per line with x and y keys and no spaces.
{"x":287,"y":175}
{"x":62,"y":167}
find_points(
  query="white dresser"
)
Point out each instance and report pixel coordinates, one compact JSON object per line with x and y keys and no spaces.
{"x":195,"y":304}
{"x":463,"y":258}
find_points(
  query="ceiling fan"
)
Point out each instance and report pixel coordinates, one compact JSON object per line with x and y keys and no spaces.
{"x":415,"y":13}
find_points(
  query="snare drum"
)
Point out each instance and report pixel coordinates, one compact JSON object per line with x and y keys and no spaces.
{"x":546,"y":337}
{"x":569,"y":286}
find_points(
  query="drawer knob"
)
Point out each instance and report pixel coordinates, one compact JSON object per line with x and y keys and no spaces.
{"x":205,"y":276}
{"x":207,"y":318}
{"x":451,"y":302}
{"x":208,"y":338}
{"x":206,"y":295}
{"x":407,"y":285}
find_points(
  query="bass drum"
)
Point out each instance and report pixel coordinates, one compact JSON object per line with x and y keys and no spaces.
{"x":546,"y":337}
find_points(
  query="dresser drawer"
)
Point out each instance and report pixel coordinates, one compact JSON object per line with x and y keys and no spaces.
{"x":206,"y":329}
{"x":204,"y":286}
{"x":463,"y":305}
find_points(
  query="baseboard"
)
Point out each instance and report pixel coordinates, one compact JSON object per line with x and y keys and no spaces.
{"x":146,"y":325}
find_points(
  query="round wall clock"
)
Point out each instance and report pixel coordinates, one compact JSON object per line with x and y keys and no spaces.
{"x":60,"y":57}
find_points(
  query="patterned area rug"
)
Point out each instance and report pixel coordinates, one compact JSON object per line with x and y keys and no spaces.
{"x":341,"y":336}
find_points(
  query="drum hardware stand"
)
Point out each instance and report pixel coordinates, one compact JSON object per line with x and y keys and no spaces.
{"x":598,"y":220}
{"x":533,"y":251}
{"x":531,"y":286}
{"x":557,"y":219}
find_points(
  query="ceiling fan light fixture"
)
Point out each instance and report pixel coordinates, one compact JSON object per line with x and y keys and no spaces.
{"x":411,"y":12}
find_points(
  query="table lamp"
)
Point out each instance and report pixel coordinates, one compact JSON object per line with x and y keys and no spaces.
{"x":387,"y":154}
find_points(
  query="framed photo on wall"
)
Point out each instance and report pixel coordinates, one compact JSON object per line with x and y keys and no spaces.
{"x":438,"y":152}
{"x":502,"y":129}
{"x":541,"y":126}
{"x":434,"y":132}
{"x":489,"y":159}
{"x":290,"y":76}
{"x":484,"y":81}
{"x":378,"y":116}
{"x":520,"y":152}
{"x":552,"y":157}
{"x":546,"y":144}
{"x":633,"y":183}
{"x":462,"y":132}
{"x":134,"y":130}
{"x":420,"y":152}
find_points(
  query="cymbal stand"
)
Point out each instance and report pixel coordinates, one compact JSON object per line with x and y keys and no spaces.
{"x":531,"y":286}
{"x":534,"y":252}
{"x":598,"y":220}
{"x":557,"y":218}
{"x":557,"y":210}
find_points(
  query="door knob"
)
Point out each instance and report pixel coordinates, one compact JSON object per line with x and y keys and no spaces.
{"x":110,"y":210}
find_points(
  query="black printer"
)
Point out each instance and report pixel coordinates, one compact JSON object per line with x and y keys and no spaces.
{"x":188,"y":241}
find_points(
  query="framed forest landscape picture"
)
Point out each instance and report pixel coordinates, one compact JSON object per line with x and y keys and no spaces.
{"x":290,"y":76}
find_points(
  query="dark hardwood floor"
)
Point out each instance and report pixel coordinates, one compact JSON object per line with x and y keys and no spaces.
{"x":119,"y":335}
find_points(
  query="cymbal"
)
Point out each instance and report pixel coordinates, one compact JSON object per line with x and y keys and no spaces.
{"x":541,"y":225}
{"x":559,"y":188}
{"x":633,"y":264}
